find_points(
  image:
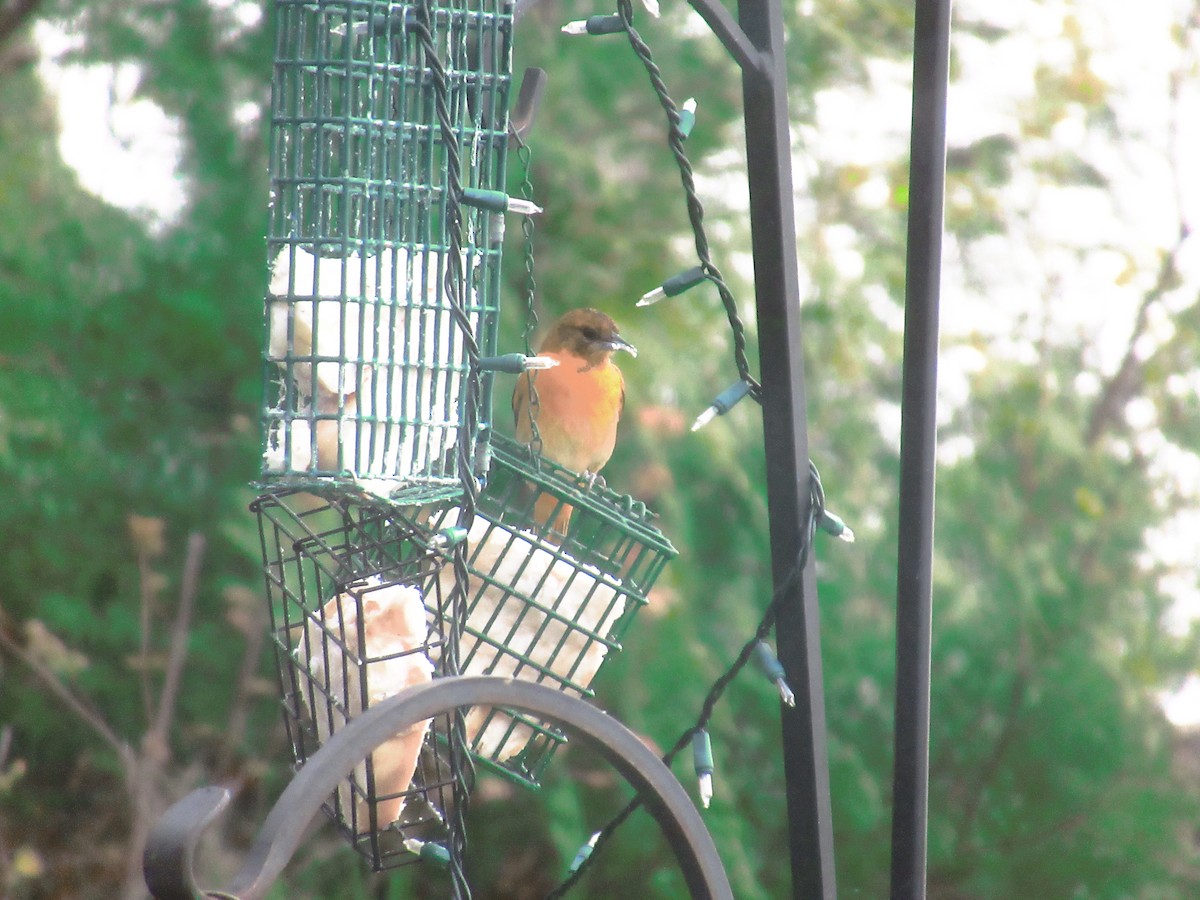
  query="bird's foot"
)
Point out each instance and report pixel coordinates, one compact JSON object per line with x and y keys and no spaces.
{"x":591,"y":479}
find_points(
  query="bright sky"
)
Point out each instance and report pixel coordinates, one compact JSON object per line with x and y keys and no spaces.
{"x":1083,"y":241}
{"x":125,"y":149}
{"x":1125,"y":229}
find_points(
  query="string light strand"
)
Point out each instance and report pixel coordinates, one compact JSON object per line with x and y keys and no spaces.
{"x":813,"y":517}
{"x":675,"y":139}
{"x":461,"y":767}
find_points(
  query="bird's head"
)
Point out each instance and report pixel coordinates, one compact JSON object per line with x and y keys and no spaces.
{"x":587,"y":333}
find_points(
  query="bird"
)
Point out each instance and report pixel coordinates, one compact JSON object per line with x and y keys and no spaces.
{"x":579,"y":401}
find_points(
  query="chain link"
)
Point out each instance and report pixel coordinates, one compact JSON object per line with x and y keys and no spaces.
{"x":525,"y":155}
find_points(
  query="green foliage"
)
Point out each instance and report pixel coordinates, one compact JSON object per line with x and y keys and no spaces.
{"x":129,"y":387}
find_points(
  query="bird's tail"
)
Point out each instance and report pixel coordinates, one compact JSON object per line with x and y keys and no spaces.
{"x":547,"y":510}
{"x":550,"y":510}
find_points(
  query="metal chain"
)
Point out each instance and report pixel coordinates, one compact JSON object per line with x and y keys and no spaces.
{"x":531,"y":317}
{"x":816,"y":509}
{"x":461,"y":768}
{"x":695,"y":208}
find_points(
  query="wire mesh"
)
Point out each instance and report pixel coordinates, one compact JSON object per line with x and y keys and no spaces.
{"x":356,"y":593}
{"x":357,"y":616}
{"x":365,"y":367}
{"x":544,"y":604}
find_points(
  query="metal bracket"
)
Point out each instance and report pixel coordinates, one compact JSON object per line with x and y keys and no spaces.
{"x":171,"y":845}
{"x":718,"y":18}
{"x":730,"y":33}
{"x":529,"y":99}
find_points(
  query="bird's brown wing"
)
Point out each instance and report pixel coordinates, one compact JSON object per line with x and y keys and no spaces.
{"x":520,"y":408}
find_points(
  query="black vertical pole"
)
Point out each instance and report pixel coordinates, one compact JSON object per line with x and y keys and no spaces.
{"x":918,"y":441}
{"x":776,"y":281}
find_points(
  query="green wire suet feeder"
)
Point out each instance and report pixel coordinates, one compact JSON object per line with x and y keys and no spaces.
{"x":542,"y":605}
{"x":370,"y":371}
{"x":367,"y":369}
{"x":356,"y":593}
{"x":356,"y":617}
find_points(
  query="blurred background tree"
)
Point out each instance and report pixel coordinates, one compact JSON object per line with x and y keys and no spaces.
{"x":129,"y":392}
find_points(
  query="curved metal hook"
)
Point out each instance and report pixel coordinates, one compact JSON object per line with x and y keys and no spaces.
{"x":171,"y":845}
{"x":172,"y":842}
{"x":529,"y":98}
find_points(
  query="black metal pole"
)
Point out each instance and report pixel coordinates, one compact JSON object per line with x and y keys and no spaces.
{"x":777,"y":294}
{"x":918,"y":443}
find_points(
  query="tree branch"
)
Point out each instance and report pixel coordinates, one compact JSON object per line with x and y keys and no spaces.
{"x":1127,"y":380}
{"x":145,"y":616}
{"x":161,"y":728}
{"x":1129,"y":377}
{"x":69,"y":699}
{"x":240,"y":708}
{"x":144,"y":792}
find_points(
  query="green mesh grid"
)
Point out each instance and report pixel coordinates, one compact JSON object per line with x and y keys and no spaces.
{"x":365,"y":366}
{"x":544,"y":605}
{"x":356,"y":616}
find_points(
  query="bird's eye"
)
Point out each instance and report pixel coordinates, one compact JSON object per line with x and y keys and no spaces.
{"x":590,"y":333}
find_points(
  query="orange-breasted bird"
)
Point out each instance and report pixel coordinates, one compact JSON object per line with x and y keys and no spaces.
{"x":578,"y":401}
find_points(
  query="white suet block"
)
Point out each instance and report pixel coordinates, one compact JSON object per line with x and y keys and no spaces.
{"x":393,"y":622}
{"x":389,"y":363}
{"x":564,"y":591}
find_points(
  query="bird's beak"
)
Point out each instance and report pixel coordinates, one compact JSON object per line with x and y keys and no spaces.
{"x":619,"y":343}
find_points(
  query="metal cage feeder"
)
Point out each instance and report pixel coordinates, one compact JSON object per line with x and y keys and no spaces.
{"x":356,"y":617}
{"x":358,"y":603}
{"x":546,"y":605}
{"x":365,"y":360}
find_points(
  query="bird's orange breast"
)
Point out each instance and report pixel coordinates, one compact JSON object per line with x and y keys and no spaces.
{"x":577,"y":413}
